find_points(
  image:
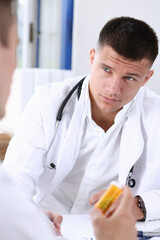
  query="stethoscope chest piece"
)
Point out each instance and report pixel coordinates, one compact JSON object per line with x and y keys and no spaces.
{"x":131,"y":183}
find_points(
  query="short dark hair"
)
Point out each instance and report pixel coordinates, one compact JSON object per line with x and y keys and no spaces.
{"x":6,"y":20}
{"x":129,"y":37}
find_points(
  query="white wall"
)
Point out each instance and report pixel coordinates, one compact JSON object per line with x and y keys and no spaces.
{"x":91,"y":15}
{"x":23,"y":86}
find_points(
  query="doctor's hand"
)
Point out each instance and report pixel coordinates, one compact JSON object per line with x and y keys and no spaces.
{"x":94,"y":199}
{"x":118,"y":225}
{"x":56,"y":219}
{"x":137,"y":213}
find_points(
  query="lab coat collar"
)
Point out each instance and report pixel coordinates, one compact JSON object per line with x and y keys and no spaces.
{"x":124,"y":113}
{"x":70,"y":148}
{"x":132,"y":142}
{"x":87,"y":101}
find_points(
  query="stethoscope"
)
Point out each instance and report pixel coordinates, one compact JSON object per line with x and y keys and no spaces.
{"x":129,"y":181}
{"x":78,"y":86}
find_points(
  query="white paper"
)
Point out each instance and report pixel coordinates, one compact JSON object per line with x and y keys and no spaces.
{"x":79,"y":227}
{"x":150,"y":226}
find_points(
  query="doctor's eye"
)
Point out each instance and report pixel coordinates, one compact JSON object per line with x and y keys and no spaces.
{"x":129,"y":78}
{"x":106,"y":69}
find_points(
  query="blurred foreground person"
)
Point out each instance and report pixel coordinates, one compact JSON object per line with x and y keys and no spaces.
{"x":20,"y":218}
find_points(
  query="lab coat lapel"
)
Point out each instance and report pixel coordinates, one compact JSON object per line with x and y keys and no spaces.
{"x":71,"y":142}
{"x":132,"y":144}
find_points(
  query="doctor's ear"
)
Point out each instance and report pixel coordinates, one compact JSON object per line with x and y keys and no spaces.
{"x":92,"y":55}
{"x":149,"y":75}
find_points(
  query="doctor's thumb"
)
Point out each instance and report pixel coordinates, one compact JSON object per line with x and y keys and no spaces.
{"x":55,"y":218}
{"x":93,"y":199}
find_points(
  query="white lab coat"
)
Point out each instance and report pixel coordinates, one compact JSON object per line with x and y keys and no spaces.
{"x":139,"y":144}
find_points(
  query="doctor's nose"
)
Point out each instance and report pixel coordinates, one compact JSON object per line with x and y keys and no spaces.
{"x":114,"y":84}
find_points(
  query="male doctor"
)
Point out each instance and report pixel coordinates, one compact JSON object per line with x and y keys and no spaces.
{"x":109,"y":131}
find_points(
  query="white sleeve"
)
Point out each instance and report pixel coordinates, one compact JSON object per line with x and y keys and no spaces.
{"x":23,"y":160}
{"x":19,"y":217}
{"x":152,"y":204}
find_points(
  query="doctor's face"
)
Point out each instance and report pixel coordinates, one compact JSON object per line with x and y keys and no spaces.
{"x":114,"y":80}
{"x":7,"y":66}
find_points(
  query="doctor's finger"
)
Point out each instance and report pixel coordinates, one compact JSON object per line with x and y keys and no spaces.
{"x":55,"y":218}
{"x":96,"y":197}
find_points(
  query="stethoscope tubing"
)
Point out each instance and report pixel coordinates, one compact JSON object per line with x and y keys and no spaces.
{"x":51,"y":143}
{"x":59,"y":118}
{"x":63,"y":104}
